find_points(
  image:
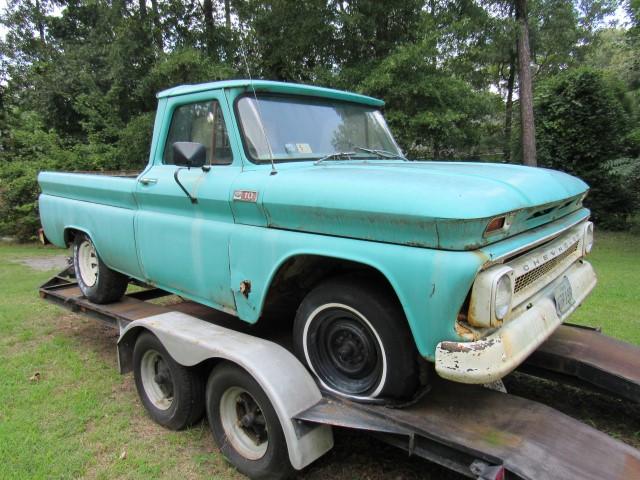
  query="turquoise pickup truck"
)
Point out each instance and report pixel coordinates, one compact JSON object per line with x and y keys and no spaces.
{"x":263,"y":198}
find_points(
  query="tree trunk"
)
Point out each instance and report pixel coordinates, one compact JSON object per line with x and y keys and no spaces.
{"x":209,"y":26}
{"x":142,"y":7}
{"x":527,"y":125}
{"x":40,"y":23}
{"x":227,"y":14}
{"x":508,"y":113}
{"x":228,"y":34}
{"x":157,"y":30}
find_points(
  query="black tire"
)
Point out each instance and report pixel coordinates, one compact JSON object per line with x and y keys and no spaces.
{"x":267,"y":458}
{"x":106,"y":286}
{"x":353,"y":335}
{"x":172,"y":394}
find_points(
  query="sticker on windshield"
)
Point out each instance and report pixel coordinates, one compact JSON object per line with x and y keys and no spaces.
{"x":303,"y":148}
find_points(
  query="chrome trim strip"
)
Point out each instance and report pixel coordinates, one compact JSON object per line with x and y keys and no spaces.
{"x":533,"y":244}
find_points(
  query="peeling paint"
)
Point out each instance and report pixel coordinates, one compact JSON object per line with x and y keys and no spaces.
{"x":456,"y":347}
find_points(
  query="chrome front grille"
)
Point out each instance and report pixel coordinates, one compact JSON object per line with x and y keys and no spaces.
{"x":532,"y":276}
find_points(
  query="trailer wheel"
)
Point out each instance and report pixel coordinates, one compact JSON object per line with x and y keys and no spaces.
{"x":245,"y":425}
{"x":97,"y":282}
{"x":354,"y":337}
{"x":172,"y":394}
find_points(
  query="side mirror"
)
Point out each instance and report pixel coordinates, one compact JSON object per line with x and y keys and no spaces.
{"x":189,"y":154}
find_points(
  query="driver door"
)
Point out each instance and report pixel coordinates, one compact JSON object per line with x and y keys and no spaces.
{"x":183,"y":246}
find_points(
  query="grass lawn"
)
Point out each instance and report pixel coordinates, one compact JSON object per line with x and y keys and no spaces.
{"x":615,"y":303}
{"x":82,"y":419}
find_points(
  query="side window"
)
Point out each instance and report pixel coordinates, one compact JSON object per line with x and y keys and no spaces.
{"x":202,"y":123}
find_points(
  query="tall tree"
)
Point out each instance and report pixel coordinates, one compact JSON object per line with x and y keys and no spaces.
{"x":157,"y":26}
{"x":209,"y":27}
{"x":527,"y":124}
{"x":508,"y":111}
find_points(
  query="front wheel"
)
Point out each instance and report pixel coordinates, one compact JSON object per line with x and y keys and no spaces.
{"x":245,"y":425}
{"x":97,"y":282}
{"x":353,"y":336}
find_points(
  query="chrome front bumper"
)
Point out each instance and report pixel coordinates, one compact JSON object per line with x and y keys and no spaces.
{"x":496,"y":355}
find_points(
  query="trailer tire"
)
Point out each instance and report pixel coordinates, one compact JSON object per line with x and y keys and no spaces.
{"x":245,"y":425}
{"x":353,"y":335}
{"x":97,"y":282}
{"x":171,"y":393}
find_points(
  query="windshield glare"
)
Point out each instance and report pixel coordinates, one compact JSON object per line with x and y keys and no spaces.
{"x":311,"y":128}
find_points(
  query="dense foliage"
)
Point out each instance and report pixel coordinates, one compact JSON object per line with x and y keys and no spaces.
{"x":582,"y":128}
{"x":78,"y":80}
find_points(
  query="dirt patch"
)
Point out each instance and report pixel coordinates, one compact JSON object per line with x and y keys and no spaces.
{"x":98,"y":337}
{"x":44,"y":264}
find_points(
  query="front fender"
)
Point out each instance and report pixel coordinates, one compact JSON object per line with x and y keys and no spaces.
{"x":431,"y":285}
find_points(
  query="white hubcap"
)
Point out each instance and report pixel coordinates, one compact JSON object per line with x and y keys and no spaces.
{"x":156,"y":379}
{"x":244,"y":423}
{"x":88,"y":263}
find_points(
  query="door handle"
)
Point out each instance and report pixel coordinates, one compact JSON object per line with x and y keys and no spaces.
{"x":148,"y":181}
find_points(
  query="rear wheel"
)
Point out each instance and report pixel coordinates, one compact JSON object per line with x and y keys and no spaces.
{"x":245,"y":425}
{"x":172,"y":394}
{"x":97,"y":282}
{"x":353,"y":336}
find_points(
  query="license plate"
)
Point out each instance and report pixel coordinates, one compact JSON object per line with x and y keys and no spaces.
{"x":563,"y":296}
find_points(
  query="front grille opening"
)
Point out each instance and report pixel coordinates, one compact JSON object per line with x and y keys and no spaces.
{"x":532,"y":276}
{"x":541,"y":213}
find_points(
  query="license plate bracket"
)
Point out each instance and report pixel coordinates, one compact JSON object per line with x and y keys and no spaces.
{"x":563,"y":296}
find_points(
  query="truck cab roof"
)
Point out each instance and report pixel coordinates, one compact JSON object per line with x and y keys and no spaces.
{"x":273,"y":87}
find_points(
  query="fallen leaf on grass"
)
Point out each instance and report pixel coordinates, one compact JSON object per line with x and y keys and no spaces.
{"x":35,"y":377}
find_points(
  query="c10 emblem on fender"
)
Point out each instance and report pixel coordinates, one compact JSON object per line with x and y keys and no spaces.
{"x":245,"y":196}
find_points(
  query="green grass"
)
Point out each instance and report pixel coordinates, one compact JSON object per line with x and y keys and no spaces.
{"x":80,"y":417}
{"x":614,"y":305}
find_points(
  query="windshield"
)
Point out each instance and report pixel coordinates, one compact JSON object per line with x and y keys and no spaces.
{"x":302,"y":128}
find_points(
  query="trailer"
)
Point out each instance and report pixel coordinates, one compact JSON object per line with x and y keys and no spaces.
{"x":270,"y":418}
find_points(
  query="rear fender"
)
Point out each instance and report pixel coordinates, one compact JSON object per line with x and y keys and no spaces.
{"x":289,"y":386}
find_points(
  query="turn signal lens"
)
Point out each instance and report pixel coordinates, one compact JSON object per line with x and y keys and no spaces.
{"x":495,"y":225}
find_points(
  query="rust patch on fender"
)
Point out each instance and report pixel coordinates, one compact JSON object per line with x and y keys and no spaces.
{"x":457,"y":347}
{"x":245,"y":288}
{"x":465,"y":331}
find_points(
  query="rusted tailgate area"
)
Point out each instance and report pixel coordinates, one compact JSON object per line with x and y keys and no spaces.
{"x":474,"y":427}
{"x":584,"y":355}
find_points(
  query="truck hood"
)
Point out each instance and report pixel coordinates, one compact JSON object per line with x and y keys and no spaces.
{"x":427,"y":204}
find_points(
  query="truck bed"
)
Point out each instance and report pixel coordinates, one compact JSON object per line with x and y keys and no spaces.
{"x":97,"y":187}
{"x":101,"y":205}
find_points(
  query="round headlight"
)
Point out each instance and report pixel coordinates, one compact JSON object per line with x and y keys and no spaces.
{"x":588,"y":238}
{"x":504,"y":292}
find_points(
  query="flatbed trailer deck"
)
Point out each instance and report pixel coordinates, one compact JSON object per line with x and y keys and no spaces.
{"x":475,"y":431}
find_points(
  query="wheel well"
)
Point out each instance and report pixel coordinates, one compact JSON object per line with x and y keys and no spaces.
{"x":298,"y":275}
{"x":70,"y":235}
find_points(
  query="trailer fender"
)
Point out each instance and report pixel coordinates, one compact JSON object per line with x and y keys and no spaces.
{"x":289,"y":386}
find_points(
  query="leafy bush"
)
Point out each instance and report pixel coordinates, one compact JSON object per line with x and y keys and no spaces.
{"x":33,"y":149}
{"x":581,"y":127}
{"x":135,"y":141}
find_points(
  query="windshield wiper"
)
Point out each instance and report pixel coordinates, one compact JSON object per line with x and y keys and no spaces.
{"x":381,"y":153}
{"x":335,"y":156}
